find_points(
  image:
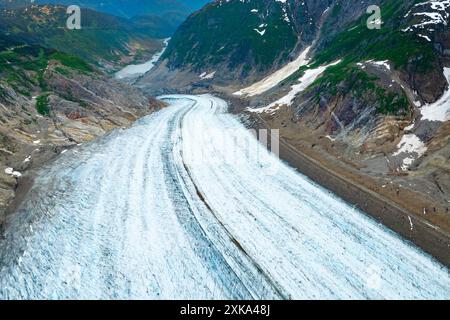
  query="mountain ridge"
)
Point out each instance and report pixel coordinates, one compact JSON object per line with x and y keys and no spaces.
{"x":163,"y":15}
{"x":102,"y":40}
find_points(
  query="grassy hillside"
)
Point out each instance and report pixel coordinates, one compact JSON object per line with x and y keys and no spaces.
{"x":102,"y":38}
{"x":358,"y":43}
{"x":23,"y":67}
{"x":252,"y":33}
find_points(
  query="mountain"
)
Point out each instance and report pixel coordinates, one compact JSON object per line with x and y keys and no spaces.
{"x":14,"y":4}
{"x":131,"y":8}
{"x":368,"y":98}
{"x":244,"y":37}
{"x":164,"y":15}
{"x":250,"y":38}
{"x":239,"y":42}
{"x":104,"y":40}
{"x":54,"y":92}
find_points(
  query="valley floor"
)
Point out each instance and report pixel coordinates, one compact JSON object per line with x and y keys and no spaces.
{"x":171,"y":209}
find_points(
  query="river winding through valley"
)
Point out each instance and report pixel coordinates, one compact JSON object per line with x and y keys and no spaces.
{"x":158,"y":212}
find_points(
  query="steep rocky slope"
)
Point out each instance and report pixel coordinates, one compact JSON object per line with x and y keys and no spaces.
{"x":103,"y":40}
{"x":51,"y":101}
{"x":383,"y":109}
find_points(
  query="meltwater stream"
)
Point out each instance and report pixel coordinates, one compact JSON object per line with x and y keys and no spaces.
{"x":159,"y":211}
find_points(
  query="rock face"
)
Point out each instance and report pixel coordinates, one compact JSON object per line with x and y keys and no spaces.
{"x":80,"y":106}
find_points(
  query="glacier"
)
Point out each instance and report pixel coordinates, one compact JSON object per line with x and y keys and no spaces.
{"x":157,"y":212}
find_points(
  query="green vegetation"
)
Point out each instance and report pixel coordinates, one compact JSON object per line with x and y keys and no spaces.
{"x":71,"y":62}
{"x":23,"y":68}
{"x":103,"y":37}
{"x":358,"y":43}
{"x":42,"y":105}
{"x":227,"y":33}
{"x":64,"y":71}
{"x":14,"y":63}
{"x":392,"y":103}
{"x":346,"y":78}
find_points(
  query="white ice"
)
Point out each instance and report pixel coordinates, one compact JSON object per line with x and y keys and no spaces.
{"x":167,"y":210}
{"x":275,"y":78}
{"x":440,"y":110}
{"x":133,"y":71}
{"x":304,"y":82}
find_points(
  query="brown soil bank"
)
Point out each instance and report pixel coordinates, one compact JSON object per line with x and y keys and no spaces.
{"x":431,"y":233}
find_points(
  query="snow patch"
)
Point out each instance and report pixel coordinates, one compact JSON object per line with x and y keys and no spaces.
{"x":304,"y":82}
{"x":381,"y":63}
{"x":440,"y":110}
{"x":413,"y":147}
{"x":11,"y":172}
{"x":426,"y":15}
{"x":275,"y":78}
{"x":425,"y":37}
{"x":410,"y":127}
{"x":261,"y":33}
{"x":205,"y":76}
